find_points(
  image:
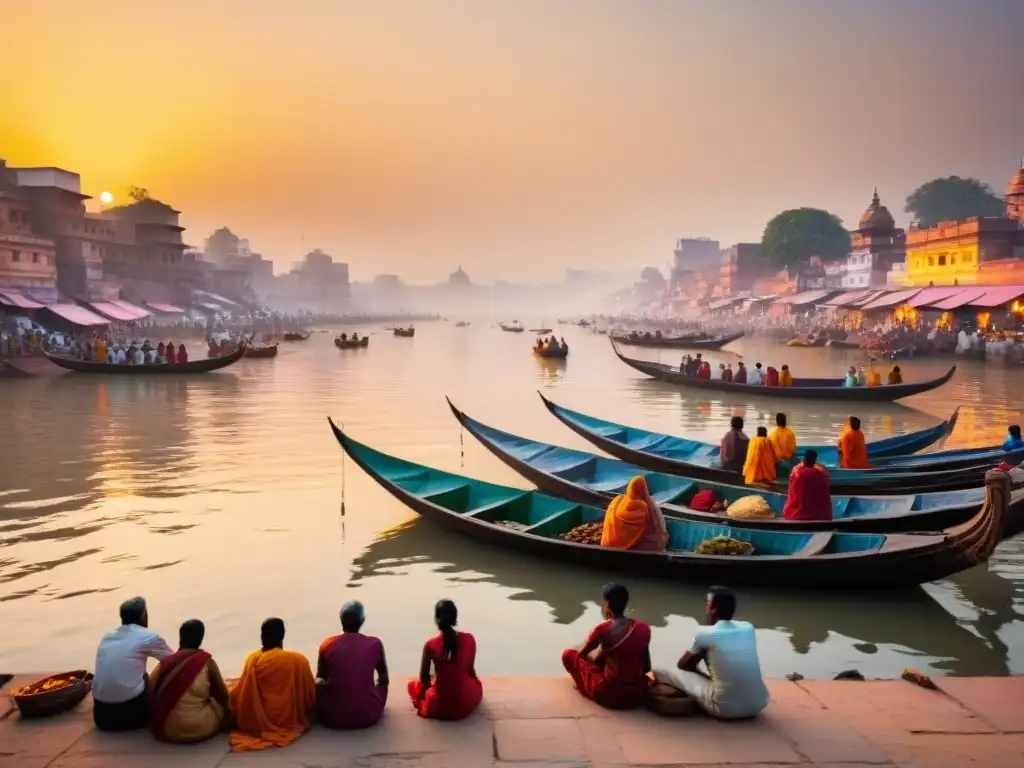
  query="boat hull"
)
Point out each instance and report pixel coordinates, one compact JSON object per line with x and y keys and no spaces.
{"x":202,"y":365}
{"x":820,"y":561}
{"x":551,"y":354}
{"x":406,"y":333}
{"x":268,"y":351}
{"x":348,"y":344}
{"x":293,"y":336}
{"x":803,"y":389}
{"x":679,"y":342}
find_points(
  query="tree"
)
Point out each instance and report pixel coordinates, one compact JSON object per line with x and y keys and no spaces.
{"x":952,"y":199}
{"x":794,"y":236}
{"x":653,"y":277}
{"x":138,"y":194}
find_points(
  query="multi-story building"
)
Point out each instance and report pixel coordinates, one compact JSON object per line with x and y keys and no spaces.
{"x":1015,"y":195}
{"x":318,"y":281}
{"x":741,"y":266}
{"x":235,"y":268}
{"x":27,"y":261}
{"x":57,"y":208}
{"x":694,"y":255}
{"x":876,"y":245}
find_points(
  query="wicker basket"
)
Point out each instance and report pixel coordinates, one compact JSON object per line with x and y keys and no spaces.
{"x":56,"y":701}
{"x":669,"y":702}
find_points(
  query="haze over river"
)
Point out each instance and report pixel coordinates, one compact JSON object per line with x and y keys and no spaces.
{"x":219,"y":496}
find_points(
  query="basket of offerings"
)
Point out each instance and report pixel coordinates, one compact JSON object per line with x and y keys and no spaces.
{"x":724,"y":545}
{"x":52,"y":695}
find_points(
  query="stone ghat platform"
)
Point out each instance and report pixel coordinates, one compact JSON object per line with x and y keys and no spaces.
{"x":533,"y":722}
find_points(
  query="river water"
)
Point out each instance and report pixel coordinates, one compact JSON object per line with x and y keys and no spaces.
{"x":220,"y":497}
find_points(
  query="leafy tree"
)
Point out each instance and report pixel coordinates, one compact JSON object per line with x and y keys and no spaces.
{"x":952,"y":199}
{"x":794,"y":236}
{"x":652,"y":276}
{"x":138,"y":194}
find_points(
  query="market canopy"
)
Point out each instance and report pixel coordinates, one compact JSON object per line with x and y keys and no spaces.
{"x":997,"y":297}
{"x":929,"y":296}
{"x":720,"y":303}
{"x":961,"y":299}
{"x":845,"y":299}
{"x":169,"y":309}
{"x":802,"y":298}
{"x":115,"y":311}
{"x":17,"y":299}
{"x":892,"y":299}
{"x":129,"y":307}
{"x":77,"y":315}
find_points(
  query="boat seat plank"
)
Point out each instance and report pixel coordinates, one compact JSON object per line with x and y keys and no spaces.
{"x":562,"y":513}
{"x":819,"y":543}
{"x":503,"y":502}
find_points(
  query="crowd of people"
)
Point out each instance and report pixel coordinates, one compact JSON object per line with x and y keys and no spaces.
{"x":857,"y":377}
{"x":757,"y":376}
{"x":186,"y":699}
{"x":100,"y":349}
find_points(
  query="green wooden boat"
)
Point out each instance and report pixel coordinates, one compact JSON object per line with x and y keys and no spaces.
{"x":534,"y":523}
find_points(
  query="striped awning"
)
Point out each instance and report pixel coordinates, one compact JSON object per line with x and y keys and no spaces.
{"x":12,"y":298}
{"x":960,"y":299}
{"x":892,"y":299}
{"x":77,"y":315}
{"x":929,"y":296}
{"x":169,"y":309}
{"x":999,"y":296}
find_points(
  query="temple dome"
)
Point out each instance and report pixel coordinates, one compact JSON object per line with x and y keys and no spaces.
{"x":459,"y":277}
{"x":877,"y":216}
{"x":1016,"y":186}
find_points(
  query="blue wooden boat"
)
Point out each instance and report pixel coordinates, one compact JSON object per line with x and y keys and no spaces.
{"x":591,"y":479}
{"x":534,"y":522}
{"x":940,"y":471}
{"x":802,"y":389}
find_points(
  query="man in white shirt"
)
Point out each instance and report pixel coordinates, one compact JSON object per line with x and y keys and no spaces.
{"x":735,"y":688}
{"x":756,"y":375}
{"x":120,"y":688}
{"x":717,"y":375}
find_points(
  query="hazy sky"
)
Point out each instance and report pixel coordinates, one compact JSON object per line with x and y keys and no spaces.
{"x":517,"y":137}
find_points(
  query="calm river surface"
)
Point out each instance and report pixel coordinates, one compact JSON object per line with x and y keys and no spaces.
{"x":219,"y":497}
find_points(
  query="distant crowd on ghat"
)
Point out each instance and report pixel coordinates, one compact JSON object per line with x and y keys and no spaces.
{"x":277,"y":697}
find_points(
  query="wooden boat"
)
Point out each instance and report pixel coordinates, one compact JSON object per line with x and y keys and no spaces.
{"x":533,"y":522}
{"x":297,"y":335}
{"x":841,"y":344}
{"x":591,"y":479}
{"x":349,"y":344}
{"x":941,"y":471}
{"x":540,"y":330}
{"x":461,"y":324}
{"x":202,"y":365}
{"x":804,"y":389}
{"x":559,"y":353}
{"x":511,"y":328}
{"x":690,"y":341}
{"x":270,"y":350}
{"x":406,"y":333}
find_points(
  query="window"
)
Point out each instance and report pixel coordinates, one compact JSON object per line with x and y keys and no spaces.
{"x":15,"y":255}
{"x":952,"y":259}
{"x":942,"y":259}
{"x":35,"y":258}
{"x":931,"y":261}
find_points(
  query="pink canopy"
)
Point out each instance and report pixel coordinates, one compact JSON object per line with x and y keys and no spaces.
{"x":929,"y":296}
{"x":892,"y":299}
{"x":997,"y":297}
{"x":170,"y":309}
{"x":846,"y":298}
{"x":113,"y":311}
{"x":139,"y":312}
{"x":77,"y":315}
{"x":17,"y":299}
{"x":961,"y":299}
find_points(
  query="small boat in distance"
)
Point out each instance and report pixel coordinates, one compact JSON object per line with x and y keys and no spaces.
{"x":804,"y":389}
{"x":407,"y":333}
{"x":690,"y":341}
{"x":515,"y":327}
{"x":462,"y":324}
{"x":535,"y":523}
{"x":267,"y":350}
{"x":297,"y":335}
{"x":557,"y":352}
{"x":349,"y":343}
{"x":540,"y":330}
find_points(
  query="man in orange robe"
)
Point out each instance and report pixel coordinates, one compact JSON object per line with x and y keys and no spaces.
{"x":853,"y":450}
{"x":274,"y":696}
{"x":760,"y":464}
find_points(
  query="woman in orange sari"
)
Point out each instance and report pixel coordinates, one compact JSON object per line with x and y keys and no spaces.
{"x":612,"y":665}
{"x":455,"y":691}
{"x":760,"y":464}
{"x":634,"y":521}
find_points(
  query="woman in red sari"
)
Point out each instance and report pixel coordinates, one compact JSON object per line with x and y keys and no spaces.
{"x":455,"y":690}
{"x":189,"y":701}
{"x":611,"y":668}
{"x":182,"y":354}
{"x":172,"y":358}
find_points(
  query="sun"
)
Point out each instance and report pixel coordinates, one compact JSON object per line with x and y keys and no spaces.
{"x":106,"y":198}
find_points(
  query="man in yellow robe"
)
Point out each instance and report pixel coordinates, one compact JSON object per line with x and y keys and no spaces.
{"x":783,"y":439}
{"x":274,"y":697}
{"x":760,"y":464}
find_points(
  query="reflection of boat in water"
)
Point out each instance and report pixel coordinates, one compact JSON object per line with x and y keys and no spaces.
{"x":904,"y":620}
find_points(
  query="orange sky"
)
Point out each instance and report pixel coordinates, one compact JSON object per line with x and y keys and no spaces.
{"x":518,"y":138}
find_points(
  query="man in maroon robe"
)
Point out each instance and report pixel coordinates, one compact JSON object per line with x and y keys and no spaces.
{"x":809,"y":497}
